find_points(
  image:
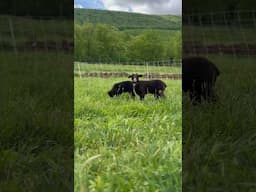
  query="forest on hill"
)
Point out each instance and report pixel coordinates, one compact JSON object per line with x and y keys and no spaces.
{"x":126,"y":20}
{"x":111,"y":36}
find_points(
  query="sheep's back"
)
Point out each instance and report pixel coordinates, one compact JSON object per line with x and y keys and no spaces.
{"x":127,"y":85}
{"x":151,"y":85}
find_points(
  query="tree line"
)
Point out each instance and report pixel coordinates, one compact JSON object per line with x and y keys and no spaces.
{"x":105,"y":43}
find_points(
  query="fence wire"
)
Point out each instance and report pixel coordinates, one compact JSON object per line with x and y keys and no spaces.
{"x":41,"y":34}
{"x":169,"y":69}
{"x":221,"y":33}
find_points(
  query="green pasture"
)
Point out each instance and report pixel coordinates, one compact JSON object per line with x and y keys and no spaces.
{"x":123,"y":144}
{"x":36,"y":135}
{"x":219,"y":139}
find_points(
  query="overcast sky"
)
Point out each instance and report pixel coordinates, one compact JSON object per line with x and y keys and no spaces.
{"x":171,"y":7}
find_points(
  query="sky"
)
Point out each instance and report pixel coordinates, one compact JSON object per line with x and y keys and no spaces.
{"x":170,"y":7}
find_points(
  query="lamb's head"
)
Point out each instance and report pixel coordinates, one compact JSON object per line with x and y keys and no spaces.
{"x":111,"y":93}
{"x":134,"y":77}
{"x":116,"y":90}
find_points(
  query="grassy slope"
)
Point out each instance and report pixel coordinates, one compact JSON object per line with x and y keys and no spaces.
{"x":125,"y":20}
{"x":126,"y":145}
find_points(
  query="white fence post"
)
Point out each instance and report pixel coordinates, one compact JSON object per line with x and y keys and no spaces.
{"x":79,"y":70}
{"x":13,"y":36}
{"x":147,"y":70}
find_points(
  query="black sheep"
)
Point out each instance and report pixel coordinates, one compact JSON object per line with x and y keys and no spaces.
{"x":198,"y":78}
{"x":122,"y":87}
{"x":155,"y":87}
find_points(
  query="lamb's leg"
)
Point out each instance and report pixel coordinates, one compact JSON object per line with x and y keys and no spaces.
{"x":208,"y":92}
{"x":214,"y":96}
{"x":156,"y":95}
{"x":196,"y":99}
{"x":161,"y":93}
{"x":195,"y":95}
{"x":205,"y":90}
{"x":142,"y":97}
{"x":133,"y":95}
{"x":191,"y":96}
{"x":141,"y":93}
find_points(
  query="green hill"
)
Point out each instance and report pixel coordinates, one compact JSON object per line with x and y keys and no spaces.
{"x":126,"y":20}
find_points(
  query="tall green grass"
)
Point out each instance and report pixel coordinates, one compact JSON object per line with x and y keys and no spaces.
{"x":36,"y":135}
{"x":219,"y":139}
{"x":123,"y":144}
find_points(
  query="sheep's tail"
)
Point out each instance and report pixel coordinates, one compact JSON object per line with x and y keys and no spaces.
{"x":164,"y":85}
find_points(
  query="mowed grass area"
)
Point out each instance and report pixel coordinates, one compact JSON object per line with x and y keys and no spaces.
{"x":219,"y":139}
{"x":91,"y":68}
{"x":123,"y":144}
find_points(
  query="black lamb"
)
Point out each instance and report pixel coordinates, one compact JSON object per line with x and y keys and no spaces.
{"x":198,"y":78}
{"x":122,"y":87}
{"x":142,"y":88}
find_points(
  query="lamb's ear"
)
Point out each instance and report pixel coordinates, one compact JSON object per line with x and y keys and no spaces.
{"x":140,"y":75}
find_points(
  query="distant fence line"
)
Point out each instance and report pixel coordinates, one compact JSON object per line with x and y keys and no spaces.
{"x":222,"y":33}
{"x":35,"y":34}
{"x":150,"y":69}
{"x":237,"y":17}
{"x":239,"y":49}
{"x":123,"y":74}
{"x":170,"y":62}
